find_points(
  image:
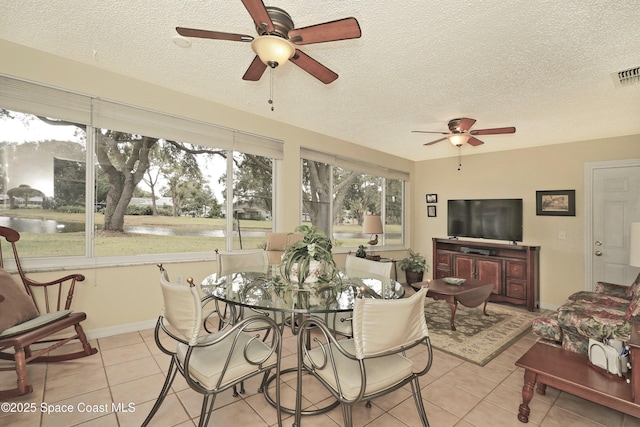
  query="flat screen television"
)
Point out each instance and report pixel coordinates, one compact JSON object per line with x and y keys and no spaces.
{"x":498,"y":219}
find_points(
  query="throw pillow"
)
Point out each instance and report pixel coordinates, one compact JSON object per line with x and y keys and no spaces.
{"x":15,"y":305}
{"x":276,"y":241}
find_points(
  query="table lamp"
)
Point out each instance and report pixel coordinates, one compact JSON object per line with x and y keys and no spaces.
{"x":634,"y":245}
{"x":373,"y":227}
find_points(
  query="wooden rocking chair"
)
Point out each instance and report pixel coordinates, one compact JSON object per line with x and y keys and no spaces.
{"x":29,"y":324}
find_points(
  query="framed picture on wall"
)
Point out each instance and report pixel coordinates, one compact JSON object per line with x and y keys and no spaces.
{"x":556,"y":203}
{"x":431,"y":211}
{"x":432,"y":198}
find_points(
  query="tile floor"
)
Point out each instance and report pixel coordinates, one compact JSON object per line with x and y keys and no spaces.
{"x":129,"y":371}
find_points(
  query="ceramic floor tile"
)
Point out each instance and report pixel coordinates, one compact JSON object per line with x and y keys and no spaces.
{"x":120,"y":341}
{"x":130,"y":369}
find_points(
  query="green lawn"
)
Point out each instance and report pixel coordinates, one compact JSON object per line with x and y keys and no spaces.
{"x":73,"y":244}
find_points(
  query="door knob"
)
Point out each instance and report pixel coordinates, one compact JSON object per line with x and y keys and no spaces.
{"x":598,"y":243}
{"x":598,"y":253}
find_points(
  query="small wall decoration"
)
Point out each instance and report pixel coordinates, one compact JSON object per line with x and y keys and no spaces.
{"x":432,"y":198}
{"x":556,"y":203}
{"x":431,"y":211}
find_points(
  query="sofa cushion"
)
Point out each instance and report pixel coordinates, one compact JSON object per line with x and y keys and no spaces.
{"x":547,"y":328}
{"x":601,"y":299}
{"x":601,"y":319}
{"x":15,"y":305}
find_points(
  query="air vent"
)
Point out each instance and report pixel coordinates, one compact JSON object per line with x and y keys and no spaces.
{"x":627,"y":77}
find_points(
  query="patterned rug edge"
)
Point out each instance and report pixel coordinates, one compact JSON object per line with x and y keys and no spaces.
{"x":487,"y":344}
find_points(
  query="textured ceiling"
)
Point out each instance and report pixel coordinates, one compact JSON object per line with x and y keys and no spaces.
{"x":541,"y":66}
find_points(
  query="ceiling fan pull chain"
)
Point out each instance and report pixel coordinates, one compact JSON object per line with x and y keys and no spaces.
{"x":459,"y":157}
{"x":271,"y":87}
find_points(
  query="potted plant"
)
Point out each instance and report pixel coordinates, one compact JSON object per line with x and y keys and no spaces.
{"x":309,"y":258}
{"x":414,"y":267}
{"x":361,"y":252}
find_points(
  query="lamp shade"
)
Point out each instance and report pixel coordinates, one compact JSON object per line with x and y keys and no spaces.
{"x":273,"y":50}
{"x":372,"y":224}
{"x":458,"y":139}
{"x":634,"y":245}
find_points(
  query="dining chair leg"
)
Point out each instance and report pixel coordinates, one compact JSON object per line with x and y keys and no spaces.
{"x":207,"y":407}
{"x":347,"y":415}
{"x":264,"y":381}
{"x":417,"y":397}
{"x":171,"y":374}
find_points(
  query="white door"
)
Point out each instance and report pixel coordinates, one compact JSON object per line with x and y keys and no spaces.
{"x":614,"y":204}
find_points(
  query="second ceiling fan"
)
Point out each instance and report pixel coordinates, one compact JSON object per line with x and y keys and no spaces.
{"x":460,"y":132}
{"x":277,"y":40}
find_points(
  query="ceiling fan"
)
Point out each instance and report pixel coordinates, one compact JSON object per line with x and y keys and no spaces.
{"x":277,"y":40}
{"x":460,"y":133}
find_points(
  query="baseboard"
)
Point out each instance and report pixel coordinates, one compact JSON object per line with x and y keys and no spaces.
{"x":126,"y":328}
{"x":547,"y":306}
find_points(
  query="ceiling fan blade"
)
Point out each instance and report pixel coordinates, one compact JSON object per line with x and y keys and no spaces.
{"x":259,"y":13}
{"x":474,"y":141}
{"x":313,"y":67}
{"x":255,"y":70}
{"x":205,"y":34}
{"x":437,"y":140}
{"x":342,"y":29}
{"x":494,"y":131}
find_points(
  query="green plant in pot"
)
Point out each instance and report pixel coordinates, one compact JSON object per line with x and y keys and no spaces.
{"x":309,"y":258}
{"x":361,"y":252}
{"x":414,"y":267}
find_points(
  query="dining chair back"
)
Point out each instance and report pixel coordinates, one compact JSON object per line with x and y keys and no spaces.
{"x":340,"y":323}
{"x":376,"y":361}
{"x":210,"y":363}
{"x":361,"y":267}
{"x":245,"y":261}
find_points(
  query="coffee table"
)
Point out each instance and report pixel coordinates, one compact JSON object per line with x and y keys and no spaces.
{"x":471,"y":294}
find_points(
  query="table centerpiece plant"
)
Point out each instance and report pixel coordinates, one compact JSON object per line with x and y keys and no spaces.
{"x":310,"y":258}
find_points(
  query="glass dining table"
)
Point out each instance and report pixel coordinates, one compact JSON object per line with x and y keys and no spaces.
{"x":268,"y":290}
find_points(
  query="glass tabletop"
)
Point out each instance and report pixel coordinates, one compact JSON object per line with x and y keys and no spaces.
{"x":268,"y":290}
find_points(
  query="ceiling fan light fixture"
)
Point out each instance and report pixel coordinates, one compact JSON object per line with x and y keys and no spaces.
{"x":459,"y":139}
{"x":273,"y":50}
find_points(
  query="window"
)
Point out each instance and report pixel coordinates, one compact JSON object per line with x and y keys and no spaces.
{"x":89,"y":178}
{"x":43,"y":183}
{"x":337,"y":193}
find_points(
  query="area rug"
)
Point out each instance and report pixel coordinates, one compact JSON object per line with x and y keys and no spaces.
{"x":478,"y":338}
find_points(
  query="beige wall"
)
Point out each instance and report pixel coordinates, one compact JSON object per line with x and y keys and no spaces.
{"x":518,"y":174}
{"x":125,"y":296}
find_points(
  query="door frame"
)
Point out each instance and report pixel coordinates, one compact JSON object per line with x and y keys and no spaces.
{"x":589,"y":169}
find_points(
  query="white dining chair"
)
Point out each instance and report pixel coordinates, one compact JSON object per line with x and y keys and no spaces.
{"x":361,"y":267}
{"x":240,"y":262}
{"x":210,"y":363}
{"x":355,"y":267}
{"x":376,"y":361}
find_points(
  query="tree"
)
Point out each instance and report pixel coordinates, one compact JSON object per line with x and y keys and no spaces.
{"x":317,"y":192}
{"x":23,"y":192}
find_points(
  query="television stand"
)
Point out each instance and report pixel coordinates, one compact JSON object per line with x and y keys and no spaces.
{"x":512,"y":269}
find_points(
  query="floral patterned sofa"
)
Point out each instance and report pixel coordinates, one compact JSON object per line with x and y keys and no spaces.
{"x":605,"y":313}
